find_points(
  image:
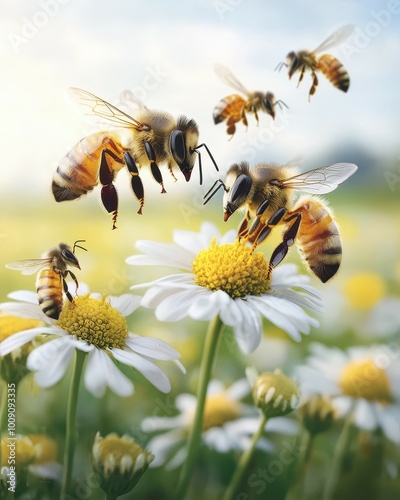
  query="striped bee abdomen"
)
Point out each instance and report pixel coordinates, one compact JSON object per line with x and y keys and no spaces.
{"x":334,"y":70}
{"x":318,"y":239}
{"x":50,"y":292}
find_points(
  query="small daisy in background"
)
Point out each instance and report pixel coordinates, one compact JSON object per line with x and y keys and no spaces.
{"x":119,"y":463}
{"x":228,"y":425}
{"x":93,"y":324}
{"x":363,"y":382}
{"x":220,"y":276}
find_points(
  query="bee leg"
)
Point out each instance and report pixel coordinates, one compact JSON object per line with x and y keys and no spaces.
{"x":231,"y":127}
{"x":136,"y":181}
{"x":289,"y":237}
{"x":313,"y":86}
{"x":256,"y":116}
{"x":244,"y":118}
{"x":243,"y":231}
{"x":172,"y":172}
{"x":301,"y":75}
{"x":109,"y":196}
{"x":153,"y":165}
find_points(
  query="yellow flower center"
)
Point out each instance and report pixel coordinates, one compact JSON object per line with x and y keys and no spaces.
{"x":45,"y":448}
{"x":19,"y":450}
{"x":363,"y":379}
{"x":118,"y":448}
{"x":95,"y":321}
{"x":364,"y":290}
{"x":233,"y":268}
{"x":218,"y":410}
{"x":12,"y":324}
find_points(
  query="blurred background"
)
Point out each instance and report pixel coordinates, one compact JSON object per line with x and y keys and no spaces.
{"x":164,"y":53}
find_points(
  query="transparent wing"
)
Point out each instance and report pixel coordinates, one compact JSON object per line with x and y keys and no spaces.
{"x":320,"y":180}
{"x":29,"y":266}
{"x":336,"y":38}
{"x":229,"y":78}
{"x":92,"y":105}
{"x":129,"y":101}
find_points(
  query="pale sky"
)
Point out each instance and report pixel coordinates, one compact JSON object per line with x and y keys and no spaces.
{"x":165,"y":51}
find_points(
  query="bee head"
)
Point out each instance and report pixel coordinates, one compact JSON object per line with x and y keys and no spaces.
{"x":68,"y":255}
{"x":238,"y":186}
{"x":182,"y":142}
{"x":269,"y":104}
{"x":292,"y":62}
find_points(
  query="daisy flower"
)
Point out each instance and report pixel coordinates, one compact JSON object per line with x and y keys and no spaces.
{"x":96,"y":325}
{"x":364,"y":381}
{"x":221,"y":276}
{"x":228,"y":424}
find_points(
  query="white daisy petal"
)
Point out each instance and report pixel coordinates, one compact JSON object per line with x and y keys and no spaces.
{"x":208,"y":304}
{"x":126,"y":304}
{"x":248,"y":333}
{"x":152,"y":348}
{"x":365,"y":415}
{"x":24,"y":296}
{"x":25,"y":310}
{"x":161,"y":446}
{"x":175,"y":306}
{"x":50,"y":366}
{"x":148,"y":369}
{"x":101,"y":373}
{"x":389,"y":420}
{"x":21,"y":338}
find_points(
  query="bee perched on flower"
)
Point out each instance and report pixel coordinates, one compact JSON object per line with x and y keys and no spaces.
{"x":219,"y":275}
{"x":92,"y":324}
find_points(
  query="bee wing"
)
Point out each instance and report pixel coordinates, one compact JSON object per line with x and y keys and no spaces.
{"x":109,"y":114}
{"x":229,"y":78}
{"x":320,"y":180}
{"x":29,"y":266}
{"x":336,"y":38}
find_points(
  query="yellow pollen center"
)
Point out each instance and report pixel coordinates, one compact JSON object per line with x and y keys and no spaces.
{"x":45,"y":448}
{"x":118,"y":447}
{"x":218,"y":410}
{"x":363,"y":379}
{"x":95,"y":321}
{"x":12,"y":324}
{"x":233,"y":268}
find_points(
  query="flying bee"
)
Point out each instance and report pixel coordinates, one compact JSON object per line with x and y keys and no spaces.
{"x":233,"y":108}
{"x":52,"y":271}
{"x":267,"y":194}
{"x":331,"y":67}
{"x":150,"y":139}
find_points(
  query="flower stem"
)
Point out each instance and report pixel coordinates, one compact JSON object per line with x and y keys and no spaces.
{"x":209,"y":353}
{"x":244,"y":462}
{"x":70,"y":424}
{"x":340,"y":450}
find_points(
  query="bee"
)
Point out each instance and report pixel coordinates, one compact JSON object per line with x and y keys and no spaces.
{"x":233,"y":108}
{"x":52,"y":271}
{"x":150,"y":139}
{"x":267,"y":193}
{"x":331,"y":67}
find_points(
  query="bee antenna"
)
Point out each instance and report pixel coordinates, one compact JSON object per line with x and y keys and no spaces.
{"x":280,"y":65}
{"x":221,"y":184}
{"x":78,"y":246}
{"x":209,"y":154}
{"x":280,"y":103}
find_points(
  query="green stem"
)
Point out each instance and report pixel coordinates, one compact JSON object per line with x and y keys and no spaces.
{"x":70,"y":423}
{"x":244,"y":461}
{"x":340,"y":450}
{"x":209,"y":353}
{"x":307,"y":445}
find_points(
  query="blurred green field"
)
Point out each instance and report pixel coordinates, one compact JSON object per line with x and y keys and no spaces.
{"x":371,"y":238}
